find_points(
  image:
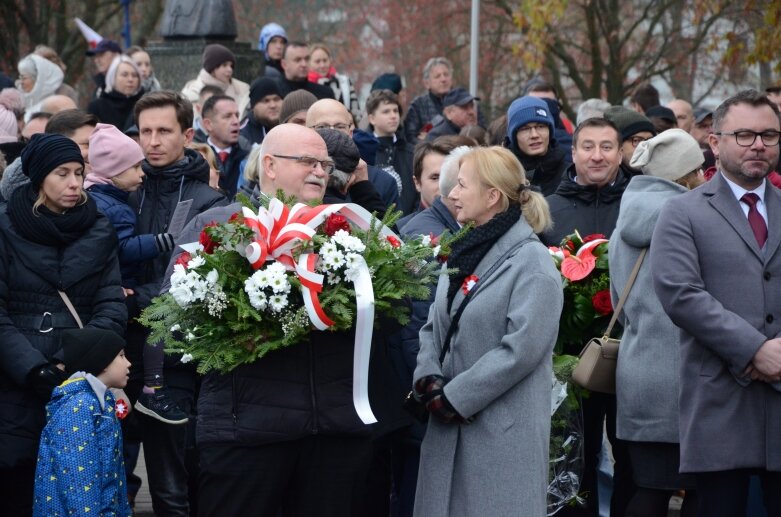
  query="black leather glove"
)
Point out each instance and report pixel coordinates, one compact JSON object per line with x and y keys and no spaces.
{"x":44,"y":379}
{"x":430,"y":391}
{"x":428,"y":387}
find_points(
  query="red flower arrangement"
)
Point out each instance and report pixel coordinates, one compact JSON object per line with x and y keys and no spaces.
{"x":207,"y":241}
{"x":469,"y":283}
{"x":334,"y":223}
{"x":583,"y":264}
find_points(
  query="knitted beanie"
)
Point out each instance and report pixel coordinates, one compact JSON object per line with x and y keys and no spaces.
{"x":89,"y":350}
{"x":111,"y":152}
{"x":269,"y":32}
{"x":299,"y":100}
{"x":261,"y":87}
{"x":671,"y":155}
{"x":525,"y":110}
{"x":46,"y":152}
{"x":341,"y":149}
{"x":8,"y":126}
{"x":214,"y":55}
{"x":392,"y":82}
{"x":629,"y":122}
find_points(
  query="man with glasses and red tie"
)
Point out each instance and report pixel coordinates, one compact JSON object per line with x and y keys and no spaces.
{"x":716,"y":262}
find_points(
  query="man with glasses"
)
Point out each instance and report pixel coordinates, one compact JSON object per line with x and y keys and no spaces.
{"x":634,"y":128}
{"x":716,"y":262}
{"x":530,"y":136}
{"x":280,"y":436}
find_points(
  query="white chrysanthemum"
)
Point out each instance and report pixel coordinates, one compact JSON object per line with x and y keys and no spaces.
{"x":348,"y":242}
{"x":436,"y":250}
{"x":333,"y":261}
{"x":258,"y":300}
{"x":277,"y":302}
{"x":212,"y":277}
{"x":426,"y":240}
{"x":351,"y":274}
{"x":328,"y":247}
{"x":182,"y":294}
{"x":186,"y":358}
{"x":178,"y":275}
{"x":196,"y":262}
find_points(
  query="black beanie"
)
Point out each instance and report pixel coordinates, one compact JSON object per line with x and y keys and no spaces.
{"x":89,"y":350}
{"x":261,"y":87}
{"x":214,"y":55}
{"x":46,"y":152}
{"x":341,"y":149}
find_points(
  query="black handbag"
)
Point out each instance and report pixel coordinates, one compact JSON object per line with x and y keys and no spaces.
{"x":415,"y":406}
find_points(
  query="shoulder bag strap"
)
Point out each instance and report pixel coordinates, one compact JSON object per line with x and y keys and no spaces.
{"x":628,"y":287}
{"x":457,"y":316}
{"x":72,"y":309}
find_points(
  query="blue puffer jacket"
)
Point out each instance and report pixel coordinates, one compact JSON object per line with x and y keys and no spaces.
{"x":81,"y":470}
{"x":133,"y":249}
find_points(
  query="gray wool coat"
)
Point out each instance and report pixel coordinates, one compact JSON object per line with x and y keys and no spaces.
{"x":499,"y":367}
{"x":724,"y":292}
{"x":648,"y":359}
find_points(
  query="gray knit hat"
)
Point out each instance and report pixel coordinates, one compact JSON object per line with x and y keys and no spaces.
{"x":671,"y":155}
{"x":629,"y":122}
{"x":299,"y":100}
{"x":341,"y":149}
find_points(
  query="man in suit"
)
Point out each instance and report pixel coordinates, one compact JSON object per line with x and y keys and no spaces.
{"x":716,"y":261}
{"x":221,"y":122}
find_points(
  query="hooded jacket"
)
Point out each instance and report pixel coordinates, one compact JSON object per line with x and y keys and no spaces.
{"x":545,"y":171}
{"x":585,"y":208}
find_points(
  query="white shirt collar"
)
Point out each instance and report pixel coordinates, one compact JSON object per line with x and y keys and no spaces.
{"x":739,"y":191}
{"x":218,"y":149}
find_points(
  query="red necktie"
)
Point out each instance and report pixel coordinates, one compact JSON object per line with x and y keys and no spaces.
{"x":755,"y":220}
{"x":223,"y":156}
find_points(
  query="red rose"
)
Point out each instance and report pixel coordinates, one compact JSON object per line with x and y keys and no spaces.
{"x":601,"y":302}
{"x":237,"y":218}
{"x":593,"y":237}
{"x":207,"y":241}
{"x":183,"y":258}
{"x":334,"y":223}
{"x":394,"y":241}
{"x":434,"y":239}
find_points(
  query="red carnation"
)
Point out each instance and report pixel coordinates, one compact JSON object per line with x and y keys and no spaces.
{"x":394,"y":241}
{"x":334,"y":223}
{"x":207,"y":241}
{"x":601,"y":302}
{"x":183,"y":258}
{"x":593,"y":237}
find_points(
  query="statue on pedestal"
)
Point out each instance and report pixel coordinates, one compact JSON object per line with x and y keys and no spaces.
{"x":198,"y":19}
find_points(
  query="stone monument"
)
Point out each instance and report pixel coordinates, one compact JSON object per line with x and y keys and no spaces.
{"x":187,"y":27}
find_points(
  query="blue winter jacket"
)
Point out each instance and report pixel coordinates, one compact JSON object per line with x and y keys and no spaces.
{"x":81,"y":470}
{"x":133,"y":249}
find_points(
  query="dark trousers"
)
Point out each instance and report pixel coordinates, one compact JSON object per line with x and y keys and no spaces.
{"x":725,"y":493}
{"x":171,"y":460}
{"x":599,"y":410}
{"x":16,"y":489}
{"x":317,"y":475}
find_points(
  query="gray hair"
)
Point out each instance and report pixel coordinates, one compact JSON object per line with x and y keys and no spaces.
{"x":435,"y":61}
{"x":448,"y":173}
{"x":338,"y":179}
{"x":591,"y":108}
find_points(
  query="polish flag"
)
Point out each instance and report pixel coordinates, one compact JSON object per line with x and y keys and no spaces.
{"x":92,"y":37}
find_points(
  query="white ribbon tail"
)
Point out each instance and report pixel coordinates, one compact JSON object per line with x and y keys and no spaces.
{"x":364,"y":323}
{"x":306,"y":292}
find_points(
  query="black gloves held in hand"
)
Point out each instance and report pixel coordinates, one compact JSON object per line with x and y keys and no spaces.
{"x":44,"y":379}
{"x":430,"y":391}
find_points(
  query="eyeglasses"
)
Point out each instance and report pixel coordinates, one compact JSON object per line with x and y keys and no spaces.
{"x":746,"y":137}
{"x":338,"y":127}
{"x":539,"y":128}
{"x":635,"y":140}
{"x":308,"y":161}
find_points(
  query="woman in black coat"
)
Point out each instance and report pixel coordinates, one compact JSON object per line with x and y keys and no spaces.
{"x":123,"y":89}
{"x":52,"y":238}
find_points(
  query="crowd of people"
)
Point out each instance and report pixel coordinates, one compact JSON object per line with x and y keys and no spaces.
{"x":96,"y":201}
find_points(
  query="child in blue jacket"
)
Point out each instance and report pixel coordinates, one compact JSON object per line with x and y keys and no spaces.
{"x":115,"y":160}
{"x":80,"y":468}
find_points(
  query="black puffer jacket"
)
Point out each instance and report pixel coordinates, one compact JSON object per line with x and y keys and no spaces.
{"x":544,"y":171}
{"x":115,"y":108}
{"x":30,"y":276}
{"x":587,"y":209}
{"x":293,"y":392}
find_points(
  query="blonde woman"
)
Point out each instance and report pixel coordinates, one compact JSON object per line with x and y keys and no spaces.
{"x":486,"y":446}
{"x":322,"y":71}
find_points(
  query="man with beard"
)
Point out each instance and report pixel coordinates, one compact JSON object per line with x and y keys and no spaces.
{"x":716,"y":258}
{"x":265,"y":103}
{"x":530,"y":136}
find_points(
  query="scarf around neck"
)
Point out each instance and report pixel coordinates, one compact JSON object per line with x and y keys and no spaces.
{"x":46,"y":227}
{"x":467,"y":252}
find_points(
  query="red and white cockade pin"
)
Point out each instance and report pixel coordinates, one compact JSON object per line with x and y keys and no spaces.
{"x":469,"y":283}
{"x":120,"y":408}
